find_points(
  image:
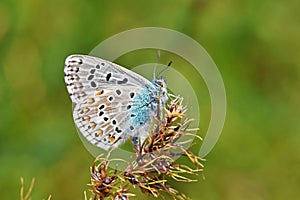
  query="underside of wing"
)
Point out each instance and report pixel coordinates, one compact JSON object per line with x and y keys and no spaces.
{"x":85,"y":74}
{"x":112,"y":114}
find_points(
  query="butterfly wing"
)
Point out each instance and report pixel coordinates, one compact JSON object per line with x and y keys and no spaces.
{"x":106,"y":118}
{"x":111,"y":102}
{"x":84,"y":74}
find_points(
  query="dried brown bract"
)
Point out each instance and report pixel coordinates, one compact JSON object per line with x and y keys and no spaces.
{"x":155,"y":161}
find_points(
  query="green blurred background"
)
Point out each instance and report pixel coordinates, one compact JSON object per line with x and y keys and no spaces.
{"x":255,"y":44}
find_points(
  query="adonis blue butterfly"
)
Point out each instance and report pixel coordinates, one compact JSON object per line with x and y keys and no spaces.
{"x":112,"y":103}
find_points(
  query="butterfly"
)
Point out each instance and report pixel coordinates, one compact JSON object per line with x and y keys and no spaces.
{"x":112,"y":103}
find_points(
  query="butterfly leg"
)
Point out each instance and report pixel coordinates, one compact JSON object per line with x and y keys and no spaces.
{"x":138,"y":140}
{"x":135,"y":140}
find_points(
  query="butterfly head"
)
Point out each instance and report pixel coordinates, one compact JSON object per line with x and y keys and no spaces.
{"x":160,"y":82}
{"x":161,"y":85}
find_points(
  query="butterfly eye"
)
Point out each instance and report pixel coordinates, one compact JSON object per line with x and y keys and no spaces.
{"x":159,"y":82}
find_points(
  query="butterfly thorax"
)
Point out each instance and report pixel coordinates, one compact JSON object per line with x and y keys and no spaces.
{"x":161,"y":87}
{"x":149,"y":102}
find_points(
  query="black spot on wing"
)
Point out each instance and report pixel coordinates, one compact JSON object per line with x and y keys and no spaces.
{"x":90,"y":77}
{"x":101,"y":107}
{"x":108,"y":76}
{"x":118,"y":92}
{"x":131,"y":94}
{"x":101,"y":113}
{"x":93,"y":84}
{"x":118,"y":130}
{"x":110,"y":98}
{"x":125,"y":80}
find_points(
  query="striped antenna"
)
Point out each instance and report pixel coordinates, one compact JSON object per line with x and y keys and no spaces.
{"x":155,"y":67}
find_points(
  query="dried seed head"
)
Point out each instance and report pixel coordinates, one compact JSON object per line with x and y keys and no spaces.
{"x":154,"y":161}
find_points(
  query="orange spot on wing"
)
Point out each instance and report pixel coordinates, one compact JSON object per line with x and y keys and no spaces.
{"x":85,"y":110}
{"x":100,"y":132}
{"x":87,"y":118}
{"x":90,"y":100}
{"x":112,"y":139}
{"x":93,"y":125}
{"x":99,"y":92}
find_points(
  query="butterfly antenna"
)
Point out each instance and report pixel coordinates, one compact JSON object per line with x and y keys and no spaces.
{"x":169,"y":64}
{"x":155,"y":67}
